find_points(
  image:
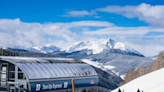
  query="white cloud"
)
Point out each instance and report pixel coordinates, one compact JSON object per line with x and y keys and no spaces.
{"x":79,"y":13}
{"x":145,"y":12}
{"x":20,"y":33}
{"x":93,"y":23}
{"x":98,"y":17}
{"x":146,"y":46}
{"x":135,"y":37}
{"x":125,"y":31}
{"x":15,"y":32}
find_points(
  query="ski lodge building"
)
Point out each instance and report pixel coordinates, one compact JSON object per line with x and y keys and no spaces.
{"x":31,"y":74}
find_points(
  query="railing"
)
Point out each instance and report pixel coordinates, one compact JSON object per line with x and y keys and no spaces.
{"x":16,"y":86}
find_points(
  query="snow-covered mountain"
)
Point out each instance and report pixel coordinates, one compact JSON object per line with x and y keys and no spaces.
{"x":113,"y":61}
{"x":152,"y":82}
{"x":98,"y":46}
{"x":117,"y":63}
{"x":114,"y":57}
{"x":95,"y":46}
{"x":44,"y":49}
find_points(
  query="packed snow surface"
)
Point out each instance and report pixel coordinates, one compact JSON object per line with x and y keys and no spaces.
{"x":152,"y":82}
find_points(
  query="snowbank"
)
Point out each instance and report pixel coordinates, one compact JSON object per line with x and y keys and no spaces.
{"x":152,"y":82}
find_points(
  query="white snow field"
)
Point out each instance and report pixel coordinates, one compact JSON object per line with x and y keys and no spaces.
{"x":152,"y":82}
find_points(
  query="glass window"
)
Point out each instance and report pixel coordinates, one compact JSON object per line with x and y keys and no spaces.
{"x":11,"y":67}
{"x":20,"y":75}
{"x":11,"y":75}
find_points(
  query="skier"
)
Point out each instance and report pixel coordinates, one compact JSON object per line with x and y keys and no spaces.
{"x":119,"y":90}
{"x":138,"y":90}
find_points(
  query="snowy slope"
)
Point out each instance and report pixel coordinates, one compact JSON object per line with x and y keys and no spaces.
{"x":101,"y":66}
{"x":98,"y":46}
{"x":45,"y":49}
{"x":152,"y":82}
{"x":116,"y":63}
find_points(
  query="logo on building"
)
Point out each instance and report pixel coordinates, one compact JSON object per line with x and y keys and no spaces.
{"x":65,"y":84}
{"x":92,"y":82}
{"x":38,"y":87}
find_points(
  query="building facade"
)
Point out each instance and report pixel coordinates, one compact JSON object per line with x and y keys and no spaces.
{"x":46,"y":74}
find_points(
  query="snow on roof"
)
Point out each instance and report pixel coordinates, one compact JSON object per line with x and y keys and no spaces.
{"x":39,"y":59}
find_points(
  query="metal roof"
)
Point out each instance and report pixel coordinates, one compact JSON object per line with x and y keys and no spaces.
{"x":40,"y":60}
{"x":41,"y":68}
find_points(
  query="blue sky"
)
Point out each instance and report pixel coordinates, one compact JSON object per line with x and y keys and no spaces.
{"x":139,"y":23}
{"x":42,"y":11}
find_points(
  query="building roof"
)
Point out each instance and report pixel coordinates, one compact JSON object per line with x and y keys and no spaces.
{"x":41,"y":68}
{"x":40,"y":60}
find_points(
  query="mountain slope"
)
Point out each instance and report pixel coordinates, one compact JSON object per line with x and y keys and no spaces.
{"x":121,"y":63}
{"x":113,"y":61}
{"x":152,"y":82}
{"x":107,"y":80}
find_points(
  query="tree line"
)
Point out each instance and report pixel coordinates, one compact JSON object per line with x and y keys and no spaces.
{"x":158,"y":63}
{"x":7,"y":53}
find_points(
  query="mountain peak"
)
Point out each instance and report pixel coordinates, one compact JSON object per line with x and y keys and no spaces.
{"x":111,"y":43}
{"x":93,"y":45}
{"x":97,"y":46}
{"x":49,"y":45}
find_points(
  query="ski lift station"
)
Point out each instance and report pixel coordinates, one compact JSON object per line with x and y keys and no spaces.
{"x":29,"y":74}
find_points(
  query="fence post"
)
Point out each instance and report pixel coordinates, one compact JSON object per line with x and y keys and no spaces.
{"x":73,"y":86}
